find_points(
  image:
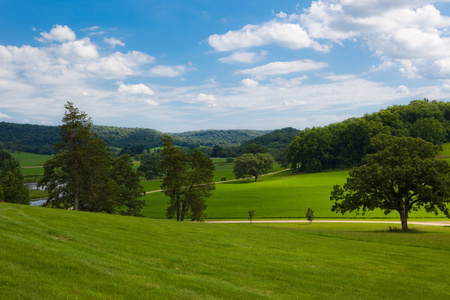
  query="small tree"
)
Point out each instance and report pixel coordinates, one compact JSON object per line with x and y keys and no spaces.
{"x":251,"y":214}
{"x":403,"y":175}
{"x":310,"y":215}
{"x":249,"y":164}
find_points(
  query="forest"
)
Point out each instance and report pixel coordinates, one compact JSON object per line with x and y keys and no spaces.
{"x":40,"y":139}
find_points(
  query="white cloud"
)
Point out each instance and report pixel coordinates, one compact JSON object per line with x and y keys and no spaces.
{"x":113,"y":42}
{"x":134,"y":89}
{"x":209,"y":99}
{"x":244,"y":57}
{"x":281,"y":15}
{"x":58,"y":33}
{"x":168,"y":71}
{"x":288,"y":35}
{"x":247,"y":82}
{"x":4,"y":116}
{"x":284,"y":67}
{"x":411,"y":31}
{"x":402,"y":89}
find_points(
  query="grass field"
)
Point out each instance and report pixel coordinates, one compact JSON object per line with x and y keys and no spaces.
{"x":283,"y":195}
{"x":50,"y":254}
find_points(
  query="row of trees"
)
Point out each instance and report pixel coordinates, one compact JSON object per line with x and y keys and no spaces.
{"x":85,"y":175}
{"x":344,"y":144}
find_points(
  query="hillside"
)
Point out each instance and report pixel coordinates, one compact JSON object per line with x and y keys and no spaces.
{"x":59,"y":254}
{"x":40,"y":139}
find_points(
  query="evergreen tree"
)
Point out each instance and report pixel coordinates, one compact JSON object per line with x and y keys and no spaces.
{"x":84,"y":175}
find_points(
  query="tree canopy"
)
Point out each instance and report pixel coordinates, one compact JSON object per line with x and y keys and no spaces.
{"x":250,"y":164}
{"x":402,"y":175}
{"x":85,"y":175}
{"x":187,"y":181}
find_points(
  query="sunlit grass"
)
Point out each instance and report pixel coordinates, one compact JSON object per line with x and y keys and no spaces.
{"x":56,"y":254}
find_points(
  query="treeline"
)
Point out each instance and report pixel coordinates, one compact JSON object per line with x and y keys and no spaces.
{"x":40,"y":139}
{"x":344,"y":144}
{"x":223,"y":138}
{"x":273,"y":142}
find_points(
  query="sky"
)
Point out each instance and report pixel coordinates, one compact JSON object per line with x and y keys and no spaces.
{"x":179,"y":65}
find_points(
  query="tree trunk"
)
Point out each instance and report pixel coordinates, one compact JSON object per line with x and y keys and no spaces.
{"x":77,"y":188}
{"x":404,"y":218}
{"x":256,"y":177}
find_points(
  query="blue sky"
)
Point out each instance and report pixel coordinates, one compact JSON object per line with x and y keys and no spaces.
{"x":189,"y":65}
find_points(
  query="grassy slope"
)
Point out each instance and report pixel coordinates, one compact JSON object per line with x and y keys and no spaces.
{"x":49,"y":253}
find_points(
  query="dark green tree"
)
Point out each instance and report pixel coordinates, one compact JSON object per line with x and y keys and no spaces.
{"x":130,"y":189}
{"x":173,"y":164}
{"x":403,"y":175}
{"x":251,"y":215}
{"x":310,"y":215}
{"x":199,"y":177}
{"x":84,"y":175}
{"x":12,"y":181}
{"x":310,"y":150}
{"x":150,"y":167}
{"x":249,"y":164}
{"x":188,"y":180}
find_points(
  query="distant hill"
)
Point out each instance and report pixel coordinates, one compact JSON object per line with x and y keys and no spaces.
{"x":276,"y":140}
{"x":40,"y":139}
{"x":225,"y":138}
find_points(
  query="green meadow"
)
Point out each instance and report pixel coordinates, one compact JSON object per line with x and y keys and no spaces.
{"x":57,"y":254}
{"x":282,"y":195}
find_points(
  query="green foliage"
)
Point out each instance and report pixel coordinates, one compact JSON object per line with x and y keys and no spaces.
{"x":150,"y":167}
{"x":251,"y":215}
{"x":403,"y":175}
{"x":249,"y":164}
{"x":344,"y":144}
{"x":188,"y":181}
{"x":310,"y":215}
{"x":255,"y":148}
{"x":124,"y":175}
{"x":84,"y":175}
{"x":12,"y":181}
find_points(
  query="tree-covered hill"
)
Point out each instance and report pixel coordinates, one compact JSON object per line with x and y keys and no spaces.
{"x":275,"y":140}
{"x":344,"y":144}
{"x":224,"y":138}
{"x":40,"y":139}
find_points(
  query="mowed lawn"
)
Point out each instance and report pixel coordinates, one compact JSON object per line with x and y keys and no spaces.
{"x":283,"y":195}
{"x":57,"y":254}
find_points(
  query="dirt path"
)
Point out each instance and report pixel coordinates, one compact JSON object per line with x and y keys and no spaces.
{"x":436,"y":223}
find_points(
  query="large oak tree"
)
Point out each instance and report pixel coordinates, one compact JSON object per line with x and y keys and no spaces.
{"x":403,"y":175}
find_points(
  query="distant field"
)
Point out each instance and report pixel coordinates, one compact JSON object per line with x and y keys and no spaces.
{"x":58,"y":254}
{"x":30,"y":159}
{"x":284,"y":195}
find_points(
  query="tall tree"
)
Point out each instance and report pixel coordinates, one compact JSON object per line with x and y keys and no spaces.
{"x":174,"y":166}
{"x":199,"y":186}
{"x":84,"y":175}
{"x":187,"y":180}
{"x":403,"y":175}
{"x":249,"y":164}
